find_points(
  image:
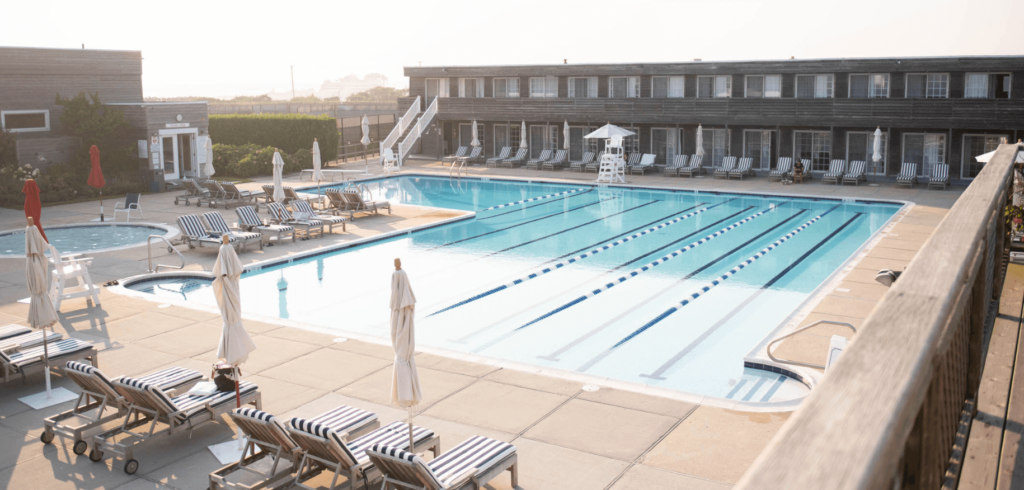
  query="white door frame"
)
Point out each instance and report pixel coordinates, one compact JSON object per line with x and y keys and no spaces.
{"x":173,"y":133}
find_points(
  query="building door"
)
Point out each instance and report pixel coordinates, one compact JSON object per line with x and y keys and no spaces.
{"x":538,"y":140}
{"x":169,"y":156}
{"x":186,"y":156}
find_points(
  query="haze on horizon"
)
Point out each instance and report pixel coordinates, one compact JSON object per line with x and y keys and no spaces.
{"x":228,"y":48}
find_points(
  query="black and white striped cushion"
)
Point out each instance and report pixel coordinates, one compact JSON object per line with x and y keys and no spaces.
{"x":394,"y":435}
{"x":408,"y":459}
{"x":218,"y":225}
{"x":836,"y":168}
{"x":784,"y":166}
{"x":940,"y":172}
{"x":191,"y":225}
{"x":347,"y":458}
{"x":247,"y":215}
{"x":166,"y":379}
{"x":13,"y":330}
{"x":187,"y":404}
{"x":304,"y":207}
{"x":856,"y":169}
{"x":30,"y":339}
{"x":744,"y":165}
{"x":908,"y":171}
{"x":476,"y":452}
{"x":344,"y":418}
{"x":55,"y":350}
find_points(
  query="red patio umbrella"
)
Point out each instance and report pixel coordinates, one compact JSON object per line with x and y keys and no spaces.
{"x":33,"y":208}
{"x":96,"y":175}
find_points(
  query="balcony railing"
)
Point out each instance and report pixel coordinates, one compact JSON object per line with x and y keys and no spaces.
{"x":886,"y":415}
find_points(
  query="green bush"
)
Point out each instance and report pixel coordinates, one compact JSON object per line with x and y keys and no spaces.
{"x":62,"y":183}
{"x":253,"y":160}
{"x":289,"y":132}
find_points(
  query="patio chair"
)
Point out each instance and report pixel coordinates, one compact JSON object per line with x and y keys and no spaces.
{"x":856,"y":172}
{"x":217,"y":193}
{"x":836,"y":170}
{"x":471,"y":464}
{"x":281,"y":216}
{"x":290,"y":195}
{"x":728,"y":164}
{"x":194,"y":234}
{"x":534,"y":163}
{"x":694,"y":168}
{"x":356,"y":203}
{"x":248,"y":220}
{"x":505,"y":152}
{"x":678,"y":162}
{"x":474,"y":156}
{"x":783,"y":169}
{"x":388,"y":160}
{"x":742,"y":169}
{"x":131,"y":203}
{"x":28,"y":338}
{"x":235,"y":195}
{"x":217,"y":225}
{"x":515,"y":161}
{"x":150,"y":406}
{"x":907,"y":175}
{"x":557,"y":161}
{"x":268,"y":194}
{"x":193,"y":192}
{"x":596,"y":164}
{"x":100,"y":402}
{"x":646,"y":163}
{"x":304,"y":207}
{"x":588,"y":158}
{"x":327,"y":449}
{"x":70,"y":278}
{"x":30,"y":361}
{"x":338,"y":203}
{"x":940,"y":176}
{"x":268,"y":435}
{"x":461,"y":152}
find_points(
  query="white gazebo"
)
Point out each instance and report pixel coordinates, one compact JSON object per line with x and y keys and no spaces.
{"x":613,"y":165}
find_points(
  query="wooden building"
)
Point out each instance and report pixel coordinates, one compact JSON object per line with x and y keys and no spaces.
{"x":169,"y":135}
{"x":930,"y":110}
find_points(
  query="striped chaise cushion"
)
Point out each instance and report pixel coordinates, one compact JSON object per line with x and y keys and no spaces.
{"x":188,"y":405}
{"x":836,"y":168}
{"x":744,"y":165}
{"x":13,"y":330}
{"x":281,"y":213}
{"x":940,"y":172}
{"x":191,"y":225}
{"x":166,"y":379}
{"x":908,"y":171}
{"x":784,"y":166}
{"x":259,"y":425}
{"x":696,"y":161}
{"x":247,"y":215}
{"x":344,"y":418}
{"x":394,"y":435}
{"x":412,"y":468}
{"x":30,"y":339}
{"x":856,"y":168}
{"x":304,"y":207}
{"x":679,"y":161}
{"x":476,"y":452}
{"x":56,"y":350}
{"x":218,"y":225}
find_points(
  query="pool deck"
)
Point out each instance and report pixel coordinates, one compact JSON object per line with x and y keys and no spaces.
{"x":566,"y":437}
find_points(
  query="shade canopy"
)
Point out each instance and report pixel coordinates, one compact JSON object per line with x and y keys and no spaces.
{"x":41,"y":313}
{"x":609,"y":131}
{"x":318,"y":174}
{"x":235,"y":343}
{"x":522,"y":137}
{"x":700,"y":140}
{"x":565,"y":135}
{"x":278,"y":184}
{"x":208,"y":170}
{"x":405,"y":382}
{"x":366,"y":131}
{"x":96,"y":173}
{"x":33,"y":207}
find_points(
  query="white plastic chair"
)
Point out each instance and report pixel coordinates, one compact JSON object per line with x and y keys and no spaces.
{"x":131,"y":203}
{"x":389,"y":161}
{"x":71,"y":267}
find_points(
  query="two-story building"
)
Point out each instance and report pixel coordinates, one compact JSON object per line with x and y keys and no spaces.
{"x":930,"y":110}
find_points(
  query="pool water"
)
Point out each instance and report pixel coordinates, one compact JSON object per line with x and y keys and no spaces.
{"x":666,"y":288}
{"x":79,"y":239}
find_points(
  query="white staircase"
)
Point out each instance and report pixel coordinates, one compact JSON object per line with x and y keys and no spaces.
{"x":410,"y":127}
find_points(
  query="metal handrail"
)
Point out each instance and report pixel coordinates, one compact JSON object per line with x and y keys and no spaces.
{"x":421,"y":126}
{"x":794,"y":332}
{"x":170,"y":248}
{"x":457,"y":169}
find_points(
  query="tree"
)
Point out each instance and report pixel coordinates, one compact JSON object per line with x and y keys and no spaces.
{"x":377,"y":78}
{"x":378,"y":95}
{"x":252,"y":98}
{"x":307,"y":98}
{"x":106,"y":127}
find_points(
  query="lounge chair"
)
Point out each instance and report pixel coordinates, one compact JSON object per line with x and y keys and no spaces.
{"x":856,"y":172}
{"x":461,"y":152}
{"x":27,"y":338}
{"x":678,"y":162}
{"x":728,"y":165}
{"x":248,"y":220}
{"x":195,"y":235}
{"x":338,"y":203}
{"x":281,"y":216}
{"x":151,"y":406}
{"x":836,"y":170}
{"x":218,"y":226}
{"x":290,"y":195}
{"x":131,"y":203}
{"x":516,"y":160}
{"x":694,"y":168}
{"x":588,"y":158}
{"x":646,"y":163}
{"x":596,"y":164}
{"x":264,"y":432}
{"x":193,"y":192}
{"x":13,"y":330}
{"x":70,"y":278}
{"x":783,"y":169}
{"x":326,"y":448}
{"x":30,"y":360}
{"x":356,"y":203}
{"x":940,"y":176}
{"x":304,"y":207}
{"x":100,"y":396}
{"x":474,"y":156}
{"x":907,"y":175}
{"x":268,"y":194}
{"x":534,"y":163}
{"x":471,"y":464}
{"x":742,"y":169}
{"x":217,"y":193}
{"x":557,"y":161}
{"x":232,"y":194}
{"x":632,"y":160}
{"x":505,"y":152}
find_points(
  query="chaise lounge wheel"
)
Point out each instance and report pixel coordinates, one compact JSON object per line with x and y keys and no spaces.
{"x":170,"y":250}
{"x":80,"y":447}
{"x":131,"y":466}
{"x":95,"y":456}
{"x":46,"y":437}
{"x":188,"y":203}
{"x":175,"y":202}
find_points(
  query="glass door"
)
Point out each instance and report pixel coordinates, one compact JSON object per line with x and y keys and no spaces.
{"x":169,"y":155}
{"x":185,"y":155}
{"x":537,"y":140}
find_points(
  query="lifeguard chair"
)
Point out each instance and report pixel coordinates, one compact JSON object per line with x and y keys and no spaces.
{"x":613,"y":165}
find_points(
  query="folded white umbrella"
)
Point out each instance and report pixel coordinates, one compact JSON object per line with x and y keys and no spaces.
{"x":209,"y":170}
{"x":41,"y":313}
{"x":366,"y":131}
{"x":700,"y":140}
{"x":522,"y":137}
{"x":278,"y":185}
{"x":318,"y":174}
{"x":405,"y":382}
{"x":476,"y":141}
{"x":235,"y":343}
{"x":565,"y":135}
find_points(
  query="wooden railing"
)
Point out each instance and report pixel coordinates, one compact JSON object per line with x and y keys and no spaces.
{"x":402,"y":125}
{"x":414,"y":135}
{"x":887,"y":413}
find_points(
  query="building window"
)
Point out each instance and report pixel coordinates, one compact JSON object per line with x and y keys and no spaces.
{"x":500,"y":138}
{"x":814,"y":86}
{"x":861,"y":146}
{"x":667,"y":87}
{"x":576,"y":142}
{"x":924,"y":149}
{"x":757,"y":145}
{"x":436,"y":87}
{"x":869,"y":86}
{"x":717,"y":86}
{"x":466,"y":134}
{"x":583,"y":87}
{"x":987,"y":86}
{"x":544,"y":87}
{"x":515,"y":136}
{"x":543,"y":137}
{"x":623,"y":87}
{"x":471,"y":87}
{"x":25,"y":121}
{"x":815,"y":146}
{"x":716,"y":145}
{"x":631,"y":144}
{"x":927,"y":86}
{"x":974,"y":145}
{"x":506,"y":87}
{"x":665,"y":144}
{"x":758,"y":86}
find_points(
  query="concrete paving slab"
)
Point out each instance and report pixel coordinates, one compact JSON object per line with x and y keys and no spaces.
{"x":269,"y":352}
{"x":497,"y":406}
{"x":252,"y":327}
{"x":535,"y":382}
{"x":636,"y":401}
{"x":132,"y":360}
{"x":548,"y":466}
{"x":436,"y":386}
{"x":454,"y":365}
{"x":606,"y":430}
{"x":187,"y":341}
{"x":142,"y":325}
{"x":304,"y":336}
{"x":58,"y":468}
{"x":326,"y":369}
{"x":281,"y":396}
{"x":845,"y":306}
{"x":892,"y":253}
{"x":872,"y":292}
{"x":366,"y":348}
{"x":15,"y":389}
{"x":143,"y":484}
{"x":17,"y":447}
{"x":192,"y":471}
{"x":640,"y":477}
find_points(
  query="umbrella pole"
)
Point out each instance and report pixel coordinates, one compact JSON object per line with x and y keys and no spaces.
{"x":412,"y":448}
{"x":46,"y":365}
{"x":101,"y":206}
{"x":238,"y":404}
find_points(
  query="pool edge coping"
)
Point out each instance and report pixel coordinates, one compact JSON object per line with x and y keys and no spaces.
{"x":171,"y":232}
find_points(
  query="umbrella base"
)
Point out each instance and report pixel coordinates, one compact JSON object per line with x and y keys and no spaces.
{"x":39,"y":401}
{"x":228,"y":452}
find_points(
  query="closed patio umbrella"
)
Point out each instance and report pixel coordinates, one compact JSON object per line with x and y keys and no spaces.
{"x":565,"y":136}
{"x":876,"y":149}
{"x":235,"y":343}
{"x":522,"y":137}
{"x":366,"y":142}
{"x":405,"y":383}
{"x":700,"y":140}
{"x":41,"y":313}
{"x":208,"y":169}
{"x":96,"y":175}
{"x":33,"y":207}
{"x":278,"y":184}
{"x":317,"y":173}
{"x":476,"y":141}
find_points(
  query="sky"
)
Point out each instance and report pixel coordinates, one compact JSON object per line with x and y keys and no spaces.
{"x":222,"y":48}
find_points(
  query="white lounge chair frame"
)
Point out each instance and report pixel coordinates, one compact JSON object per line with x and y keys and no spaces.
{"x":249,"y":220}
{"x":128,"y":205}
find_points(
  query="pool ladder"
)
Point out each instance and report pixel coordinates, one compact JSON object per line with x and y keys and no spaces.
{"x":801,"y":329}
{"x":461,"y":162}
{"x":170,"y":248}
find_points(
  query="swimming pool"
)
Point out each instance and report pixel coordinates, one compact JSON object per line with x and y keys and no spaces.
{"x":85,"y":237}
{"x":669,"y":288}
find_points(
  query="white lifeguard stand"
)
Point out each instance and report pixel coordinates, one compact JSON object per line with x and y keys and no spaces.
{"x":612,"y":165}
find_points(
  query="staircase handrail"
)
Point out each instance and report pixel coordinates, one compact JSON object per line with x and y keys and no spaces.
{"x":401,"y":126}
{"x":421,"y":126}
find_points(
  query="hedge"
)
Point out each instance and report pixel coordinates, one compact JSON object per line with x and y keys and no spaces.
{"x":254,"y":160}
{"x":288,"y":132}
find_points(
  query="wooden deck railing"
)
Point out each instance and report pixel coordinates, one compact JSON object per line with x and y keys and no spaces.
{"x":887,"y":413}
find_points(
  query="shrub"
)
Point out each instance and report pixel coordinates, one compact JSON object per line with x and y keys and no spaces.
{"x":289,"y":132}
{"x":253,"y":160}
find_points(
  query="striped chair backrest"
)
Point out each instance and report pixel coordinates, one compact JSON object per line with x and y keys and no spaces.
{"x":476,"y":152}
{"x":193,"y":186}
{"x":216,"y":222}
{"x":91,"y":379}
{"x":560,"y":155}
{"x":232,"y":190}
{"x":279,"y":212}
{"x":600,"y":155}
{"x":461,"y":151}
{"x":247,"y":215}
{"x":303,"y":207}
{"x":745,"y":164}
{"x":505,"y":152}
{"x":544,"y":155}
{"x":784,"y":164}
{"x":146,"y":395}
{"x":857,"y":167}
{"x":268,"y":190}
{"x":837,"y":166}
{"x":728,"y":163}
{"x":634,"y":159}
{"x":909,"y":169}
{"x":403,"y":466}
{"x":940,"y":171}
{"x":322,"y":441}
{"x":264,"y":427}
{"x":191,"y":225}
{"x":679,"y":161}
{"x":521,"y":154}
{"x":587,"y":157}
{"x":696,"y":160}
